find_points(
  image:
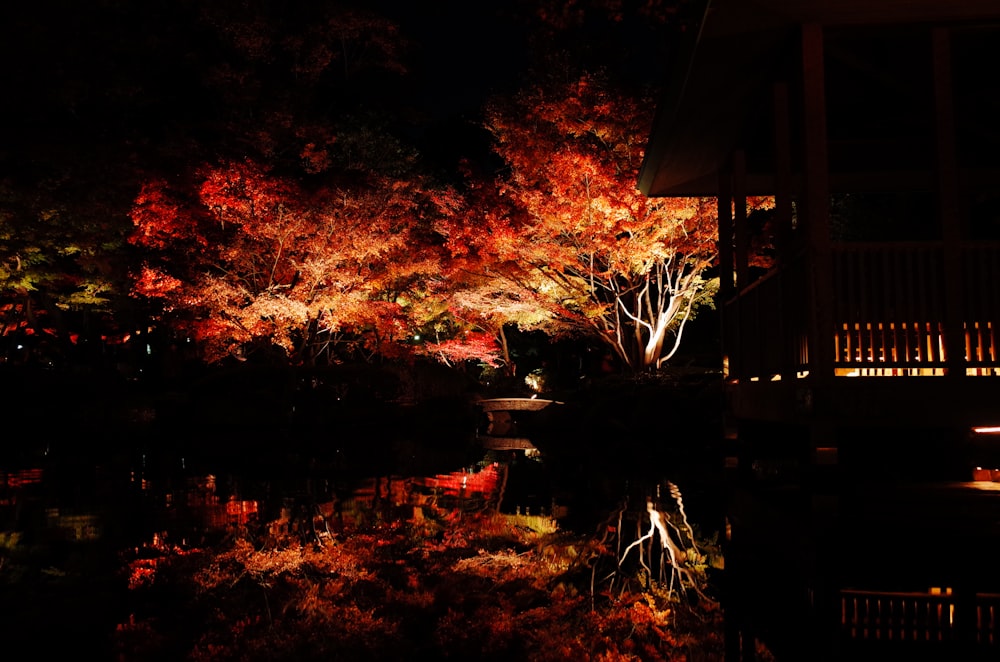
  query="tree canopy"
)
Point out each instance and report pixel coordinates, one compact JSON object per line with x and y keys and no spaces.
{"x":270,"y":192}
{"x":608,"y":261}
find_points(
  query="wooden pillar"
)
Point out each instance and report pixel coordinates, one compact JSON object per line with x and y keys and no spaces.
{"x":816,"y":208}
{"x":733,"y":590}
{"x":728,"y":315}
{"x":948,"y":200}
{"x":725,"y":222}
{"x":783,"y":226}
{"x":815,"y":219}
{"x":782,"y":171}
{"x":742,"y":234}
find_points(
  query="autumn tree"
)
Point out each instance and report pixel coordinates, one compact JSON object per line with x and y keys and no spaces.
{"x":83,"y":110}
{"x":470,"y":305}
{"x":305,"y":222}
{"x":251,"y":259}
{"x":468,"y":313}
{"x":607,"y":261}
{"x":489,"y":291}
{"x":63,"y":260}
{"x":121,"y":100}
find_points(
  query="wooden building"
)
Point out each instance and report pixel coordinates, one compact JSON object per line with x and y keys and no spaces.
{"x":862,"y":370}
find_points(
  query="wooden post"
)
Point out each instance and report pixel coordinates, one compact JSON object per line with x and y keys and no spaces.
{"x":725,"y":223}
{"x":742,"y":234}
{"x":816,"y":217}
{"x":816,"y":221}
{"x":728,"y":314}
{"x":782,"y":170}
{"x":948,"y":196}
{"x":783,"y":224}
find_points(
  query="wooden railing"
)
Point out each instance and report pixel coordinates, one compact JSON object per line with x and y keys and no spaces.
{"x":918,"y":617}
{"x":981,"y":304}
{"x":890,"y":308}
{"x":897,"y":616}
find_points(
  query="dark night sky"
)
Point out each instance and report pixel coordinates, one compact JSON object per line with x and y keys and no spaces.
{"x":85,"y":70}
{"x":94,"y":73}
{"x":464,"y":51}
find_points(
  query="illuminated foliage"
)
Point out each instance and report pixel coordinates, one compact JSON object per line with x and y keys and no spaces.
{"x":126,"y":100}
{"x":62,"y":257}
{"x":607,"y":261}
{"x":303,"y":224}
{"x":468,"y":307}
{"x":444,"y":585}
{"x":254,"y":258}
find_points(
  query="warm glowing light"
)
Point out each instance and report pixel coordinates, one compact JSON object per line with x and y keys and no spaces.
{"x":889,"y":372}
{"x":980,"y":474}
{"x":825,"y":455}
{"x":775,"y":378}
{"x":989,"y":429}
{"x":535,"y":380}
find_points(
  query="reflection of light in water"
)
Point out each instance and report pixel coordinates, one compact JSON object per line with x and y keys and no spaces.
{"x":20,"y":478}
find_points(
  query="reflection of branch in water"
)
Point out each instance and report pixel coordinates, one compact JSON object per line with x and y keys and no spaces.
{"x":675,"y":555}
{"x":675,"y":492}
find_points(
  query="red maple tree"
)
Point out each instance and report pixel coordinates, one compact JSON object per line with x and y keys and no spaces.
{"x":574,"y":230}
{"x":473,"y":303}
{"x":254,"y":259}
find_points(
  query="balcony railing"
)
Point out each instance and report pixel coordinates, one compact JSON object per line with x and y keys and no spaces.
{"x":918,"y":617}
{"x":890,"y":307}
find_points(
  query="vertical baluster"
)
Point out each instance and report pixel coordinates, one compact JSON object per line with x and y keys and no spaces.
{"x":992,"y":340}
{"x":890,"y":309}
{"x":912,"y":346}
{"x":936,"y":316}
{"x":864,"y":314}
{"x":921,"y":278}
{"x":970,"y":306}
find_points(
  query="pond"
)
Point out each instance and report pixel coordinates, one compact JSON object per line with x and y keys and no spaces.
{"x":123,"y":474}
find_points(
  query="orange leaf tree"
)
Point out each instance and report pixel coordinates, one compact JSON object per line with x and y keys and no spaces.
{"x":254,"y":259}
{"x":477,"y":296}
{"x":304,"y":223}
{"x":608,"y":261}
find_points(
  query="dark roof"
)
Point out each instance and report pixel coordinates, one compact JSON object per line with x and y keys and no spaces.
{"x":720,"y":81}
